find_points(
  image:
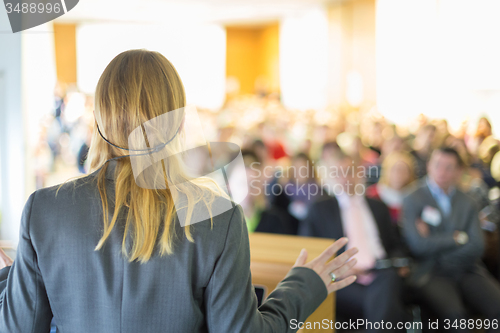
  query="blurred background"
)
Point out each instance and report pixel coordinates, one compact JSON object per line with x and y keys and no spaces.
{"x":287,"y":80}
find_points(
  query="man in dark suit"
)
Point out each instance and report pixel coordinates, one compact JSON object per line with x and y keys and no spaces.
{"x":442,"y":229}
{"x":345,"y":211}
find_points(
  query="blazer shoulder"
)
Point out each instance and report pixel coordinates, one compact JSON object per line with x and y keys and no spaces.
{"x":218,"y":216}
{"x":466,"y":200}
{"x":66,"y":190}
{"x":324,"y":201}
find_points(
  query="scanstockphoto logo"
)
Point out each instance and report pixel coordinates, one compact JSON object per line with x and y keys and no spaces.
{"x":26,"y":14}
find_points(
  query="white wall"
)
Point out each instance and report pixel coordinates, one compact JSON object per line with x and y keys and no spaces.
{"x":198,"y":52}
{"x":27,"y":75}
{"x":439,"y":58}
{"x":304,"y":59}
{"x":12,"y":142}
{"x":38,"y":83}
{"x":351,"y":53}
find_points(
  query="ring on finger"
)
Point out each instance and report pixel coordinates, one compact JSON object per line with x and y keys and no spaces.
{"x":333,"y":277}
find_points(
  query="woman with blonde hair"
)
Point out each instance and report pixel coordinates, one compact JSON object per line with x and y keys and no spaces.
{"x":107,"y":252}
{"x":397,"y":172}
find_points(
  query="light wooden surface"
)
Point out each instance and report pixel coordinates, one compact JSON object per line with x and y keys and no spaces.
{"x":6,"y":244}
{"x":272,"y":256}
{"x":8,"y":248}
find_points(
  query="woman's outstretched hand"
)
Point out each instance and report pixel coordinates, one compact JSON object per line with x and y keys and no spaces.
{"x":4,"y":260}
{"x":339,"y":266}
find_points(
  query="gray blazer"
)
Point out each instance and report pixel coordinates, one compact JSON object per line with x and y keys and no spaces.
{"x":438,"y":251}
{"x":204,"y":286}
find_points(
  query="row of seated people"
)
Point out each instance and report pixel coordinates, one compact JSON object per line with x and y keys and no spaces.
{"x":439,"y":230}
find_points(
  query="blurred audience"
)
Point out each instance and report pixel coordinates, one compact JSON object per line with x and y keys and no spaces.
{"x":422,"y":148}
{"x":260,"y":215}
{"x":345,"y":211}
{"x":301,"y":187}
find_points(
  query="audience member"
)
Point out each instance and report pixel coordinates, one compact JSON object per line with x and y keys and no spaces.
{"x":301,"y":188}
{"x":261,"y":216}
{"x":483,"y":131}
{"x":443,"y":232}
{"x":377,"y":294}
{"x":397,"y":173}
{"x":485,"y":153}
{"x":422,"y":147}
{"x":330,"y":150}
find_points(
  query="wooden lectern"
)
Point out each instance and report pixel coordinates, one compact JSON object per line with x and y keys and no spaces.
{"x":272,"y":256}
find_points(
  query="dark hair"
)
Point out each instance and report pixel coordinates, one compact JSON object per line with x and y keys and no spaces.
{"x":250,"y":154}
{"x":330,"y":145}
{"x":301,"y":156}
{"x":452,"y":151}
{"x":428,"y":127}
{"x":258,"y":144}
{"x":309,"y":162}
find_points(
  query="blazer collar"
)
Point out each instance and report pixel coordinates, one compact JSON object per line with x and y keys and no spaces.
{"x":436,"y":190}
{"x":430,"y":200}
{"x":429,"y":196}
{"x":110,"y":170}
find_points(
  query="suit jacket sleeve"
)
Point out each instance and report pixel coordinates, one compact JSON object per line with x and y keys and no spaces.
{"x":24,"y":306}
{"x":231,"y":303}
{"x":4,"y":273}
{"x":474,"y":248}
{"x":418,"y":245}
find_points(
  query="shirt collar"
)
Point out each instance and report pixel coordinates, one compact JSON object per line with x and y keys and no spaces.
{"x":110,"y":170}
{"x":346,"y":200}
{"x":436,"y":190}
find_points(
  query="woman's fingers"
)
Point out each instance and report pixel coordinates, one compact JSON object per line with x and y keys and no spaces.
{"x":341,"y":259}
{"x":301,"y":259}
{"x":341,"y":284}
{"x":350,"y":271}
{"x":322,"y":266}
{"x":5,"y":260}
{"x":342,"y":270}
{"x":330,"y":251}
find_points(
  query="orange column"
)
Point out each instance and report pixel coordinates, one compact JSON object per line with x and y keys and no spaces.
{"x":65,"y":51}
{"x":252,"y":56}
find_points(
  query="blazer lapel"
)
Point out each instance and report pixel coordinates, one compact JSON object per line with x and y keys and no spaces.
{"x":430,"y":201}
{"x":456,"y":210}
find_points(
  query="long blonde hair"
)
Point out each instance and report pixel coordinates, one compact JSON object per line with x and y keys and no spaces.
{"x":391,"y":160}
{"x":136,"y":86}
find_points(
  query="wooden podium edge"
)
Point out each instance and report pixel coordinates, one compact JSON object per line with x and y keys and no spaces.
{"x":272,"y":257}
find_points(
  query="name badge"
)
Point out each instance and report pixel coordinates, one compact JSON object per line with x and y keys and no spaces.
{"x":431,"y":216}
